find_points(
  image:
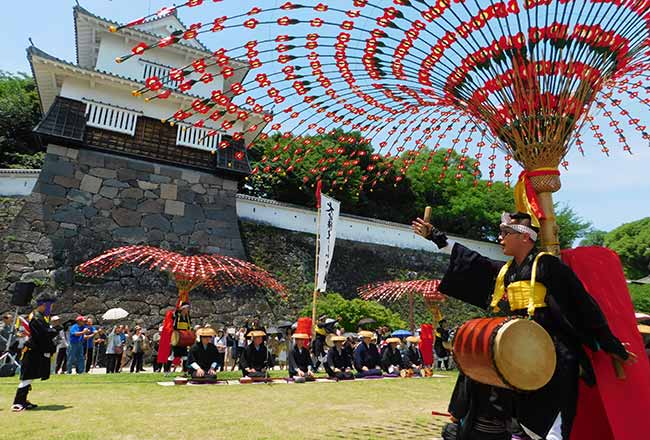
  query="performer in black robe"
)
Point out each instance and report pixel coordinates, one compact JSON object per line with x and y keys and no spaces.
{"x":391,"y":357}
{"x":203,"y":357}
{"x":366,"y":356}
{"x":562,"y":306}
{"x":339,"y":363}
{"x":182,"y":321}
{"x":301,"y":368}
{"x":256,"y":359}
{"x":412,"y":357}
{"x":38,"y":351}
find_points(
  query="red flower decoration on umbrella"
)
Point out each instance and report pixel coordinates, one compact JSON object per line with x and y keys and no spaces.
{"x":189,"y":271}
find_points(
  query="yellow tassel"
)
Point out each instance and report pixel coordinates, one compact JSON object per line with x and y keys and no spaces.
{"x":112,"y":28}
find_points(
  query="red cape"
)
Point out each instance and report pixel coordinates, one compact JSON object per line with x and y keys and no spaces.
{"x":426,"y":343}
{"x":614,"y":409}
{"x":165,"y":347}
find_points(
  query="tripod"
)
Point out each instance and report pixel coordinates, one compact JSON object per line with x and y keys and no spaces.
{"x":8,"y":357}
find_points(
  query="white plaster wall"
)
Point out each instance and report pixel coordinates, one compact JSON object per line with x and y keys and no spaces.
{"x":353,"y":228}
{"x":17,"y":182}
{"x":113,"y":46}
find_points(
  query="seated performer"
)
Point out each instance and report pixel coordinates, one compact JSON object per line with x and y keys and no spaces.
{"x":366,"y":356}
{"x":539,"y":284}
{"x":182,"y":321}
{"x":203,"y":358}
{"x":256,"y":359}
{"x":38,"y":351}
{"x":301,"y":368}
{"x":391,"y":358}
{"x":339,"y":362}
{"x":412,"y":357}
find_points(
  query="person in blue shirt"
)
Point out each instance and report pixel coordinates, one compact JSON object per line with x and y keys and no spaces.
{"x":366,"y":356}
{"x":89,"y":339}
{"x":77,"y":341}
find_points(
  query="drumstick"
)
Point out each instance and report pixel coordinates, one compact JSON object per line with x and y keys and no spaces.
{"x":442,"y":414}
{"x":618,"y":367}
{"x":427,"y":214}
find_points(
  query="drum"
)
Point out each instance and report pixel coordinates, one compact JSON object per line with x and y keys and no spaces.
{"x":328,"y":340}
{"x":183,"y":338}
{"x":510,"y":353}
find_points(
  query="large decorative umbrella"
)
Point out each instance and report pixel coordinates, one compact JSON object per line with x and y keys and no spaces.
{"x":394,"y":290}
{"x":520,"y":80}
{"x":115,"y":314}
{"x":214,"y":271}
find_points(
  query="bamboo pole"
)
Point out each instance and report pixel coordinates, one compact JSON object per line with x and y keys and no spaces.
{"x":548,"y":227}
{"x":315,"y":295}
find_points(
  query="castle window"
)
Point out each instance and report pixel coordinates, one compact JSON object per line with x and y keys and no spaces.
{"x":196,"y":137}
{"x":111,"y":118}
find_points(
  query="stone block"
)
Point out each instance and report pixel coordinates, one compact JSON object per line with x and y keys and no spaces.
{"x":194,"y":212}
{"x":186,"y":196}
{"x":151,"y":206}
{"x":69,"y":226}
{"x":104,"y":203}
{"x":50,"y":190}
{"x":198,"y":188}
{"x":173,"y":207}
{"x":109,"y":192}
{"x":90,"y":183}
{"x":79,"y":196}
{"x":129,"y":235}
{"x":66,"y":182}
{"x":116,"y":163}
{"x":144,"y":185}
{"x":91,"y":158}
{"x":126,"y":217}
{"x":72,"y":153}
{"x":104,"y":173}
{"x":132,"y":193}
{"x":139,"y":165}
{"x":216,"y":213}
{"x":182,"y":225}
{"x":151,"y":195}
{"x":114,"y":183}
{"x":211,"y":179}
{"x":90,"y":212}
{"x":156,"y":178}
{"x":168,"y":191}
{"x":174,"y":173}
{"x":131,"y":204}
{"x":230,"y":185}
{"x":57,"y":150}
{"x":155,"y":236}
{"x":191,"y":176}
{"x":102,"y":224}
{"x":156,"y":221}
{"x":70,"y":215}
{"x":126,"y":173}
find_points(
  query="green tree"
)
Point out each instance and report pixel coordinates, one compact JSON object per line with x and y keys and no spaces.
{"x":459,"y":205}
{"x":631,"y":242}
{"x":351,"y":311}
{"x":570,"y":225}
{"x":640,"y":294}
{"x":19,"y":113}
{"x":595,"y":237}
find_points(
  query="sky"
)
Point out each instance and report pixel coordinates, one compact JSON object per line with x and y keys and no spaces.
{"x":607,"y":191}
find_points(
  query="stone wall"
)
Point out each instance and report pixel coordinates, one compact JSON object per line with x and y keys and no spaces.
{"x":87,"y":202}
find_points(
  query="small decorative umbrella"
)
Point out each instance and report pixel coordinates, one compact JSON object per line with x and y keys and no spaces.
{"x":401,"y":333}
{"x":366,"y":321}
{"x":115,"y":314}
{"x":213,"y":271}
{"x":283,"y":324}
{"x":394,"y":290}
{"x":273,"y":331}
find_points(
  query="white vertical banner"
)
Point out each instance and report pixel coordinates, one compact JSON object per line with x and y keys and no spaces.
{"x":329,"y":216}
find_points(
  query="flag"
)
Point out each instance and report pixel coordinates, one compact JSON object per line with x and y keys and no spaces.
{"x":319,"y":187}
{"x":329,"y":215}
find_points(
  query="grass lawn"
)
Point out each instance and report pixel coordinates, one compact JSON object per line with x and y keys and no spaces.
{"x":132,"y":406}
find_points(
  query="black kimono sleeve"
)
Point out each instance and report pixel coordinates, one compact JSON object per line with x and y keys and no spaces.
{"x":470,"y":276}
{"x":41,"y":336}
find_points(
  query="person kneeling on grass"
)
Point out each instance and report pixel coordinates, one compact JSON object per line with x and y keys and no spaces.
{"x":339,"y":364}
{"x":301,"y":368}
{"x":391,"y":359}
{"x":366,"y":356}
{"x":203,"y":357}
{"x":412,"y":356}
{"x":256,"y":359}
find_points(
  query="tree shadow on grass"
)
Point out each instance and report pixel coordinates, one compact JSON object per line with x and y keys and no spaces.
{"x":51,"y":408}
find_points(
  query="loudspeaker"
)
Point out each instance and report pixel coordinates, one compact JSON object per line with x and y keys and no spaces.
{"x":22,"y":295}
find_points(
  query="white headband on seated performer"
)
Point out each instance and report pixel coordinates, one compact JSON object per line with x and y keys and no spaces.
{"x":506,"y":220}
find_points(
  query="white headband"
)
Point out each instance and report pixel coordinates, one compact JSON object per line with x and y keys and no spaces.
{"x":506,"y":220}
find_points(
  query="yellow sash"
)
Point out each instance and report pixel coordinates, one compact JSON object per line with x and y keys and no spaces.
{"x":521,"y":294}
